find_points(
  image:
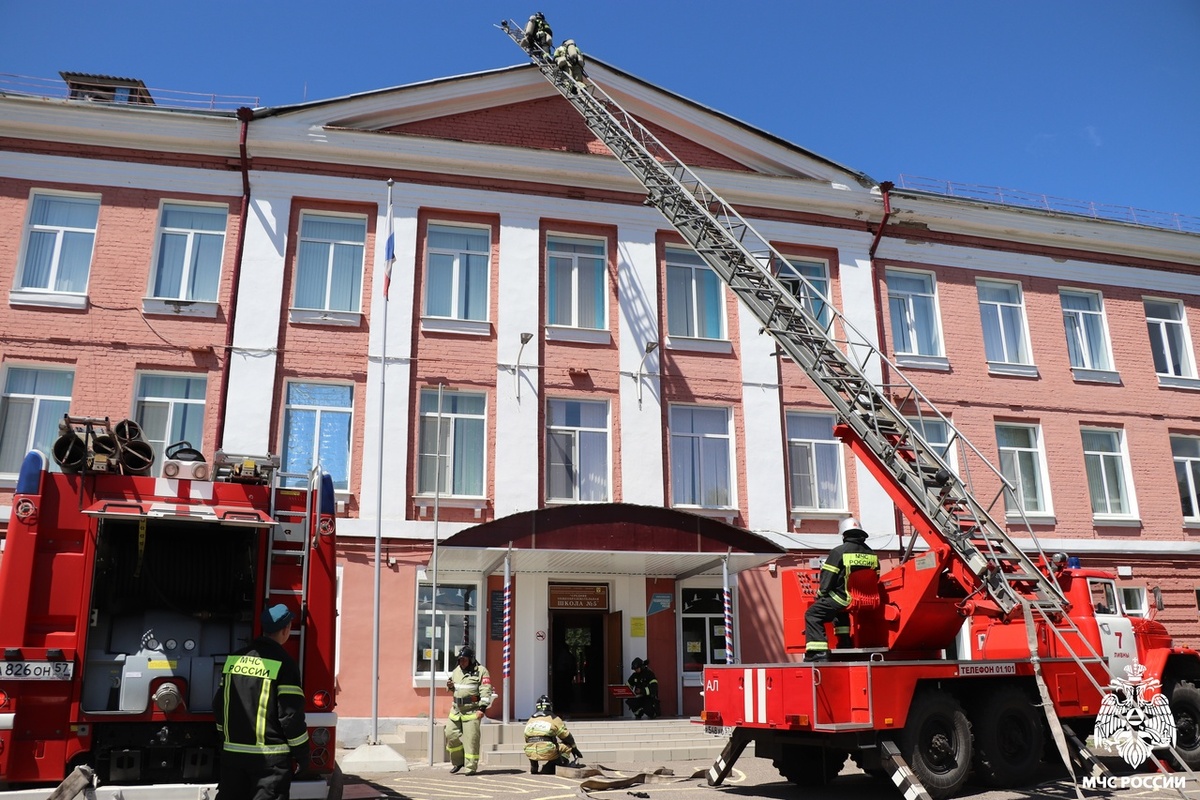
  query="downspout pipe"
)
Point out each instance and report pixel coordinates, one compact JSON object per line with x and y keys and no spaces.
{"x":244,"y":116}
{"x":876,"y":279}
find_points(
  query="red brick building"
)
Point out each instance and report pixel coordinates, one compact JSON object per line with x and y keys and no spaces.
{"x":218,"y":276}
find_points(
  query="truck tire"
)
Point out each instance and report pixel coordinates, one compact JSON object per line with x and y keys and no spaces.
{"x":806,"y":765}
{"x":936,"y":742}
{"x":1185,"y":707}
{"x":1009,"y":738}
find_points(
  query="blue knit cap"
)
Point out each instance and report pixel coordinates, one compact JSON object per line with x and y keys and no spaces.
{"x":276,"y":618}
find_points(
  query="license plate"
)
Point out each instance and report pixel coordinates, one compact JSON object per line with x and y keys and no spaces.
{"x":717,"y":730}
{"x":37,"y":670}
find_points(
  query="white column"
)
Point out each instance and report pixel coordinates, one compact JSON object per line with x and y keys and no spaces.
{"x":532,"y":659}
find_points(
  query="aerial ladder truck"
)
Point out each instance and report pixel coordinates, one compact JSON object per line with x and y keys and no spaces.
{"x":912,"y":698}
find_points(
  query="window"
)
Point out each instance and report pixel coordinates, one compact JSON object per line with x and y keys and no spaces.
{"x":461,"y":449}
{"x":58,"y":245}
{"x":191,"y":245}
{"x":792,"y":274}
{"x":1104,"y":596}
{"x":457,"y":280}
{"x":446,"y":627}
{"x":1133,"y":600}
{"x":577,"y":451}
{"x":1186,"y":450}
{"x":1002,"y":311}
{"x":815,"y":462}
{"x":694,"y":297}
{"x":937,"y":434}
{"x":169,"y":409}
{"x":1107,"y":471}
{"x":1169,"y":341}
{"x":1022,"y":463}
{"x":575,"y":280}
{"x":1087,"y":341}
{"x":329,"y":262}
{"x":700,"y":449}
{"x":703,"y":623}
{"x":913,"y":308}
{"x":316,"y":426}
{"x":33,"y":404}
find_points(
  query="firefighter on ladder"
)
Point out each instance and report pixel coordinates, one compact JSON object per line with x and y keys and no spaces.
{"x":472,"y":687}
{"x":570,"y":60}
{"x":537,"y":34}
{"x":833,"y":597}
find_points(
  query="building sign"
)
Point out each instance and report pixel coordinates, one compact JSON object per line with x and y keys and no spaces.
{"x":586,"y":598}
{"x":497,"y":615}
{"x":661,"y":601}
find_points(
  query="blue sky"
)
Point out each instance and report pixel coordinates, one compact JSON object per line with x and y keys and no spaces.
{"x":1095,"y":100}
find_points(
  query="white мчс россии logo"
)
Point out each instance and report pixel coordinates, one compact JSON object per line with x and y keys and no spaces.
{"x":1131,"y":722}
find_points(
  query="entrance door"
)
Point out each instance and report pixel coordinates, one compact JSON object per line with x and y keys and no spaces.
{"x":577,"y":663}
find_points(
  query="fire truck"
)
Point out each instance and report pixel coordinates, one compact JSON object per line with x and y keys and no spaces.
{"x":977,"y":649}
{"x":122,"y":594}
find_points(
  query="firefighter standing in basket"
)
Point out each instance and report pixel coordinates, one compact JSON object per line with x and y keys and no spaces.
{"x":472,"y":688}
{"x":259,"y":710}
{"x":832,"y":596}
{"x":547,"y":740}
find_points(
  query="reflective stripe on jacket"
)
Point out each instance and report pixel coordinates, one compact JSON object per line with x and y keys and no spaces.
{"x":845,"y":558}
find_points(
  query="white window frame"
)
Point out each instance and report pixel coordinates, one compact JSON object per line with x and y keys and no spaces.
{"x":1000,"y":314}
{"x":839,"y":507}
{"x":1112,"y":465}
{"x":180,"y":302}
{"x":696,"y":677}
{"x":320,"y":411}
{"x":174,"y":406}
{"x":701,"y":439}
{"x":37,"y":401}
{"x":422,"y":618}
{"x":573,"y":323}
{"x":48,"y":295}
{"x":1187,"y":474}
{"x":792,"y":275}
{"x":694,"y":300}
{"x":575,"y":431}
{"x":1135,"y":601}
{"x":946,"y":448}
{"x":446,"y":460}
{"x":466,"y":323}
{"x":324,"y":314}
{"x":1182,"y":370}
{"x":1038,"y":453}
{"x":913,"y":356}
{"x":1075,"y":320}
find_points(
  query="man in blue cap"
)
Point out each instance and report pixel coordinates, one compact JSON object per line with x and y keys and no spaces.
{"x":259,"y":709}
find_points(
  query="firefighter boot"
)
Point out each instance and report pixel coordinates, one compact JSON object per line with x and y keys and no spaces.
{"x":533,"y":767}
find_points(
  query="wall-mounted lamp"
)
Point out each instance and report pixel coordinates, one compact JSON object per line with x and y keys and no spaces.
{"x":525,"y":337}
{"x":650,"y":348}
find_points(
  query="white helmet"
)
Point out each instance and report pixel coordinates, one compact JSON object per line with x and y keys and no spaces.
{"x":850,"y":527}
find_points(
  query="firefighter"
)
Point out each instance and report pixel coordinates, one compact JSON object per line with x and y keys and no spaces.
{"x":644,"y":685}
{"x":832,"y":597}
{"x":259,"y":709}
{"x":472,"y":688}
{"x":570,"y":60}
{"x":547,"y":740}
{"x":537,"y":34}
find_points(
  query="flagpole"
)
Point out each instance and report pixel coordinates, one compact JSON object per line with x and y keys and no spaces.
{"x":433,"y":568}
{"x":389,"y":257}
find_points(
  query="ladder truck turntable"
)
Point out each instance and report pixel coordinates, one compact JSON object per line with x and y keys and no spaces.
{"x":912,"y":698}
{"x":122,"y":594}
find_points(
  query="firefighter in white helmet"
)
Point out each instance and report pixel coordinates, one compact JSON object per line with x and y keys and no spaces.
{"x":570,"y":60}
{"x":832,"y":597}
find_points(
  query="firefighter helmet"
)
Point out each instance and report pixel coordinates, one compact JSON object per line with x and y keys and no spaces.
{"x":467,"y":652}
{"x":543,"y":707}
{"x":850,"y":529}
{"x":637,"y":664}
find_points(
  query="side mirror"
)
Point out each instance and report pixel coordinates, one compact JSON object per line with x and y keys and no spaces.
{"x":1158,"y":601}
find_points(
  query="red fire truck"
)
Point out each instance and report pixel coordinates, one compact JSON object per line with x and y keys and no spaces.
{"x":977,"y":648}
{"x":121,"y":595}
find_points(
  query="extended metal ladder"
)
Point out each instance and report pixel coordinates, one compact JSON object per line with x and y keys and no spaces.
{"x":745,"y":261}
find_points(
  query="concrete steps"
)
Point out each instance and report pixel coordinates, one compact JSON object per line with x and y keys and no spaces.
{"x":605,"y":742}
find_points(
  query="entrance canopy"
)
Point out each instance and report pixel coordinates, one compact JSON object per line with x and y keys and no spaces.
{"x":607,"y":538}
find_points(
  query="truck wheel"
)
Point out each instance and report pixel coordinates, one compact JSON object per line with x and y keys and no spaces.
{"x":1185,"y":707}
{"x":806,"y":765}
{"x":1009,"y":738}
{"x":936,"y":743}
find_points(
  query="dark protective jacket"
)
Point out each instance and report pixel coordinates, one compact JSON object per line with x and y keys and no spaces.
{"x":643,"y":682}
{"x":259,"y":705}
{"x":849,"y":556}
